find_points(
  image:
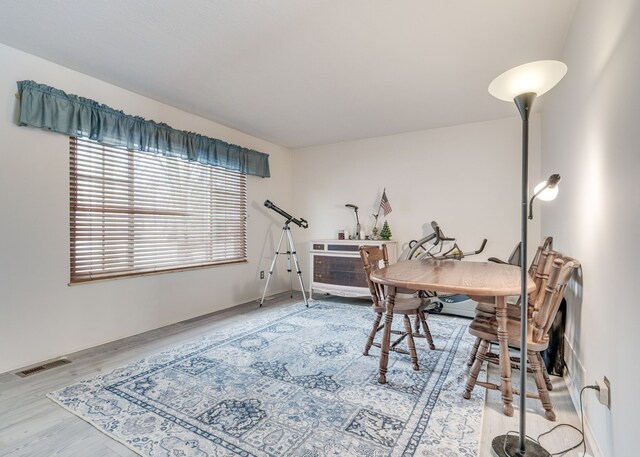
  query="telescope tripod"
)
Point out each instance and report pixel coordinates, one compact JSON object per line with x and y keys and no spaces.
{"x":291,"y":253}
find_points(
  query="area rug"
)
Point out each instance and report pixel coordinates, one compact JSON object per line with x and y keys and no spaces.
{"x":290,"y":381}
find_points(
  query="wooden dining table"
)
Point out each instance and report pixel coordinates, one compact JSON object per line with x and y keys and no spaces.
{"x":480,"y":279}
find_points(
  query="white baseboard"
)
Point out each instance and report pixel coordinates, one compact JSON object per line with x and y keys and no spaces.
{"x":575,"y":379}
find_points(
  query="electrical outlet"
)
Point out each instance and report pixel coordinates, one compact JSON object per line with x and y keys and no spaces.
{"x":604,"y":394}
{"x":261,"y":274}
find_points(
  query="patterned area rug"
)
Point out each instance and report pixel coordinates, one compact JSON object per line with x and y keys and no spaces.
{"x":290,"y":382}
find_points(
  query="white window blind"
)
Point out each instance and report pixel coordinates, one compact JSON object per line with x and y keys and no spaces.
{"x":136,"y":212}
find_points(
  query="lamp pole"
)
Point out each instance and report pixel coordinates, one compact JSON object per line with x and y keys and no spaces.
{"x":506,"y":445}
{"x":522,"y":85}
{"x":524,"y":102}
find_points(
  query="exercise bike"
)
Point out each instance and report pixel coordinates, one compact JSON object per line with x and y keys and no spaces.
{"x":440,"y":247}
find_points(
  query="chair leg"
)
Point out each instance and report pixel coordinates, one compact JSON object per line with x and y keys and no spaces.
{"x":417,"y":324}
{"x":474,"y":351}
{"x":545,"y":373}
{"x":427,"y":332}
{"x":541,"y":385}
{"x":372,"y":334}
{"x":475,"y":369}
{"x":411,"y":343}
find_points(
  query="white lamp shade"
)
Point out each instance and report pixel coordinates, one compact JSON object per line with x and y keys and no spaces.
{"x":548,"y":194}
{"x":537,"y":77}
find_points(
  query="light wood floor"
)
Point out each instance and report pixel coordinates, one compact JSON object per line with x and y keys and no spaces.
{"x":32,"y":425}
{"x":495,"y":423}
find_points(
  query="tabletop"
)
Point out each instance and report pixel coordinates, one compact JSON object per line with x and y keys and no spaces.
{"x":454,"y":276}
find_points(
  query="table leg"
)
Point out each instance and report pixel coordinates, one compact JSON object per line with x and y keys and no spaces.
{"x":386,"y":336}
{"x":505,"y":362}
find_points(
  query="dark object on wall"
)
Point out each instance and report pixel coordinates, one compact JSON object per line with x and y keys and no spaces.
{"x":553,"y":356}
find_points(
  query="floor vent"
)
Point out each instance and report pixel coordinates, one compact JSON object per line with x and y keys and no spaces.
{"x":43,"y":367}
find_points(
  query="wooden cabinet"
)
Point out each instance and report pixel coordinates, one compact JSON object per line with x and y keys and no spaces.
{"x":336,"y":267}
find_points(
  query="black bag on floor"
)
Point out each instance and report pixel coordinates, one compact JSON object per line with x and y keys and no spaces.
{"x":553,"y":356}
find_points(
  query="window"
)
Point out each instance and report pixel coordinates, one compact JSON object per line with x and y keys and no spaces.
{"x":136,"y":212}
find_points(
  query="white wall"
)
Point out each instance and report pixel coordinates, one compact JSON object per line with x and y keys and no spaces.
{"x":467,"y":178}
{"x":590,"y":132}
{"x":40,"y":315}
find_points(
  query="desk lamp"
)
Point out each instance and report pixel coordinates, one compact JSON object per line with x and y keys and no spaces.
{"x":522,"y":85}
{"x":545,"y":191}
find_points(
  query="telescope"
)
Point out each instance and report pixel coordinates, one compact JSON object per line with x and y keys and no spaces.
{"x":291,"y":251}
{"x":299,"y":222}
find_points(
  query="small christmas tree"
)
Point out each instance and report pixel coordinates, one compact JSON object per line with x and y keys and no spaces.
{"x":385,"y":233}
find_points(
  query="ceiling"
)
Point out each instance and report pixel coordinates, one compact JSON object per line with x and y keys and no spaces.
{"x":299,"y":72}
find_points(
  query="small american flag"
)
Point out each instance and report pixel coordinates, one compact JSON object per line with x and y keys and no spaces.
{"x":384,"y":203}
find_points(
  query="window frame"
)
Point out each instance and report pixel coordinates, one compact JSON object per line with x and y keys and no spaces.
{"x":139,"y":265}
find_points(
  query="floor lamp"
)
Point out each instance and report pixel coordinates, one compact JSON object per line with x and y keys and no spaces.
{"x":522,"y":85}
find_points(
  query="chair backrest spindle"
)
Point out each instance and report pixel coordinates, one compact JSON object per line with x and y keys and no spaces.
{"x":536,"y":269}
{"x":545,"y":246}
{"x":541,"y":278}
{"x":557,"y":274}
{"x":371,"y":257}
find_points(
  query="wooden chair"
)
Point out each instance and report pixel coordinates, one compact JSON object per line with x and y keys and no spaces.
{"x":486,"y":307}
{"x":543,"y":306}
{"x":372,"y":257}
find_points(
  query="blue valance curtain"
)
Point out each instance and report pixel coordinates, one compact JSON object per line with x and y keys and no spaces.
{"x":49,"y":108}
